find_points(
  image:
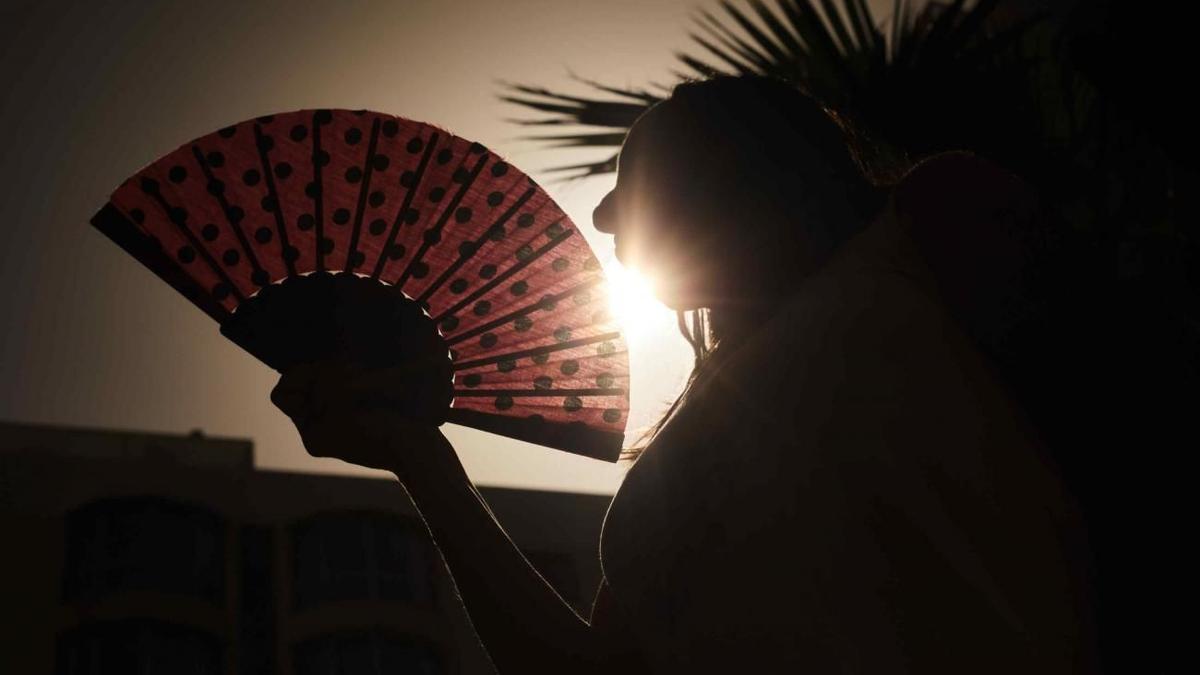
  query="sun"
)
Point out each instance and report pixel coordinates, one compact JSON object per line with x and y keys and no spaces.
{"x":631,"y":300}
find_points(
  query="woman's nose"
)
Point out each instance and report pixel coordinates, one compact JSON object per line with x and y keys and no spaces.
{"x":603,"y":216}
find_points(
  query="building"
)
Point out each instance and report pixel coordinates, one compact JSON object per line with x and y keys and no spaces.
{"x":145,"y":554}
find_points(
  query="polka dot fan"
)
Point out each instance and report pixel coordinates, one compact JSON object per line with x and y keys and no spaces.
{"x":322,"y":232}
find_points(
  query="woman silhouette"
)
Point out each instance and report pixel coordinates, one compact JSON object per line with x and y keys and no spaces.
{"x":845,"y":485}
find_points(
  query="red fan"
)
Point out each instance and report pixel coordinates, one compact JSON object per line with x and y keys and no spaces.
{"x":321,"y":231}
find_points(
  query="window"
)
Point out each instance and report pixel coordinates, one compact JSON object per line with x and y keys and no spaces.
{"x":138,"y":647}
{"x":365,"y":653}
{"x":361,"y":556}
{"x":144,"y":544}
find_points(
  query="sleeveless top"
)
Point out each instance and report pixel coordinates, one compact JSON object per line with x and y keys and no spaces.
{"x":851,"y":491}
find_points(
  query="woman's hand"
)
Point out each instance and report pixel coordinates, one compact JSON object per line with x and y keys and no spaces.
{"x":346,"y":411}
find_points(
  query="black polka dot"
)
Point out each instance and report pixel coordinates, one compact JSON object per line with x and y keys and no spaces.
{"x":149,"y":186}
{"x":499,"y":169}
{"x":353,"y":136}
{"x":591,"y":264}
{"x":476,"y":148}
{"x":215,"y":159}
{"x":227,"y":132}
{"x":487,"y":271}
{"x":411,"y":216}
{"x":522,"y":324}
{"x":408,"y":179}
{"x":209,"y":232}
{"x":504,"y":402}
{"x":444,"y":156}
{"x":376,"y":199}
{"x":605,"y":380}
{"x":357,"y":259}
{"x":497,"y":232}
{"x":525,"y":220}
{"x":235,"y":214}
{"x":415,"y":145}
{"x":540,"y":359}
{"x":391,"y":128}
{"x":326,"y":245}
{"x":259,"y":277}
{"x":298,"y":133}
{"x":473,"y":380}
{"x":506,"y":365}
{"x":436,"y":194}
{"x":519,"y":288}
{"x":466,"y":249}
{"x":420,"y":270}
{"x":311,"y":190}
{"x":321,"y":158}
{"x":291,"y":253}
{"x":187,"y":254}
{"x":380,"y":162}
{"x":547,"y":303}
{"x":353,"y":174}
{"x":459,"y":285}
{"x":230,"y":257}
{"x":569,"y":367}
{"x":562,"y":334}
{"x":221,"y":290}
{"x":177,"y":174}
{"x":460,"y":175}
{"x":494,"y":198}
{"x":138,"y":215}
{"x":396,"y":251}
{"x":572,"y":404}
{"x":262,"y":235}
{"x":177,"y":215}
{"x":525,"y":252}
{"x":611,"y":415}
{"x":462,"y":214}
{"x":482,"y":308}
{"x":269,"y":204}
{"x":543,"y":382}
{"x":488,"y":340}
{"x":251,"y":177}
{"x":341,"y":216}
{"x":432,"y":236}
{"x":305,"y":222}
{"x":582,"y":297}
{"x":449,"y":323}
{"x":266,"y":143}
{"x":377,"y":226}
{"x":283,"y":170}
{"x":606,"y":349}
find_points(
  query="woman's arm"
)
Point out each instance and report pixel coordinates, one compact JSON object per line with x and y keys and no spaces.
{"x":522,"y":622}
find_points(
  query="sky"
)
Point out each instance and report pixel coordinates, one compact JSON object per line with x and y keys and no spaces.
{"x":95,"y":90}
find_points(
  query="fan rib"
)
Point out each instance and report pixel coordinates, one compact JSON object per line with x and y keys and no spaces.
{"x":269,"y":177}
{"x":534,"y":351}
{"x":527,"y":309}
{"x":368,"y":166}
{"x":477,"y":245}
{"x":318,"y":192}
{"x":224,"y":204}
{"x":405,"y":206}
{"x":538,"y":392}
{"x":167,"y":208}
{"x":504,"y":276}
{"x":441,"y":221}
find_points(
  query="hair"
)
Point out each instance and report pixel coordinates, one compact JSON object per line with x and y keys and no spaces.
{"x":771,"y":137}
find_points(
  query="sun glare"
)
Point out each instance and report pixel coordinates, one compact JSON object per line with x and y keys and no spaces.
{"x":631,"y":300}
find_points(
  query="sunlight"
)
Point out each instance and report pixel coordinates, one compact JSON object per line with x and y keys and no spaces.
{"x":631,"y":300}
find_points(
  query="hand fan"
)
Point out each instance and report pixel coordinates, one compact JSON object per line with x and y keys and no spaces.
{"x":315,"y":232}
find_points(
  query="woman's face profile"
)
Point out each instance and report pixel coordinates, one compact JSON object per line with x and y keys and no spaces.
{"x":660,"y":212}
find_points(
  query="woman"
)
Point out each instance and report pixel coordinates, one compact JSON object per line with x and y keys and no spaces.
{"x":845,"y":485}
